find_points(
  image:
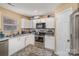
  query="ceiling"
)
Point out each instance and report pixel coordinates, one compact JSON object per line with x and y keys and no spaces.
{"x":30,"y":9}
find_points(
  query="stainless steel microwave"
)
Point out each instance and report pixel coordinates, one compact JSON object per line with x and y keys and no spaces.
{"x":40,"y":25}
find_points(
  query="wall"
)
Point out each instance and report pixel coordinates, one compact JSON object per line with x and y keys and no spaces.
{"x":12,"y":15}
{"x":64,"y":6}
{"x":0,"y":21}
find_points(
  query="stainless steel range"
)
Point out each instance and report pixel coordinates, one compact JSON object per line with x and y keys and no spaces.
{"x":39,"y":37}
{"x":40,"y":34}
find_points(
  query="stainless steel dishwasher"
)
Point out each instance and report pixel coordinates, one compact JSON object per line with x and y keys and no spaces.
{"x":4,"y":48}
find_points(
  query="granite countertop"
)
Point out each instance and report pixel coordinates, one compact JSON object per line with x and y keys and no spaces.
{"x":20,"y":35}
{"x":50,"y":34}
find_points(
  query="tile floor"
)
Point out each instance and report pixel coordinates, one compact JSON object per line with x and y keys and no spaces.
{"x":36,"y":50}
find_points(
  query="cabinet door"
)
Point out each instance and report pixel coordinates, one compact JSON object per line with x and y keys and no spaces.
{"x":31,"y":24}
{"x":43,"y":20}
{"x":31,"y":39}
{"x":16,"y":44}
{"x":35,"y":22}
{"x":27,"y":40}
{"x":50,"y":42}
{"x":21,"y":43}
{"x":25,"y":23}
{"x":13,"y":45}
{"x":50,"y":22}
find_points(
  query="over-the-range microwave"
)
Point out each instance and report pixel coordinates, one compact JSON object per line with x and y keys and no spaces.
{"x":40,"y":25}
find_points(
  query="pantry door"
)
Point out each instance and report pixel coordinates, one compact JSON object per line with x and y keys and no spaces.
{"x":63,"y":32}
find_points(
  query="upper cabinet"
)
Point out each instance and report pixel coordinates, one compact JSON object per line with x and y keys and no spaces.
{"x":31,"y":22}
{"x":36,"y":21}
{"x":43,"y":20}
{"x":25,"y":23}
{"x":50,"y":22}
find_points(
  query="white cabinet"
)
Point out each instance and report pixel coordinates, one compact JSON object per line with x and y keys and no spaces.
{"x":29,"y":39}
{"x":50,"y":42}
{"x":43,"y":20}
{"x":25,"y":23}
{"x":16,"y":44}
{"x":21,"y":42}
{"x":35,"y":22}
{"x":50,"y":22}
{"x":13,"y":45}
{"x":38,"y":20}
{"x":31,"y":23}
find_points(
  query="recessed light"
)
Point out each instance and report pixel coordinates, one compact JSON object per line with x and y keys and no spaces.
{"x":11,"y":4}
{"x":35,"y":11}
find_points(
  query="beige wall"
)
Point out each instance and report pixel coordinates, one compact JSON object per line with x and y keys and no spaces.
{"x":12,"y":15}
{"x":64,"y":6}
{"x":0,"y":21}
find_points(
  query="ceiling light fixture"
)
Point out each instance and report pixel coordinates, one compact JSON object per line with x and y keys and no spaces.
{"x":35,"y":11}
{"x":11,"y":4}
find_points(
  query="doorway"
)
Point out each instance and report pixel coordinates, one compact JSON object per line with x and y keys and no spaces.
{"x":63,"y":32}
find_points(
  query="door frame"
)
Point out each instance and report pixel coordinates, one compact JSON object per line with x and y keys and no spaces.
{"x":58,"y":15}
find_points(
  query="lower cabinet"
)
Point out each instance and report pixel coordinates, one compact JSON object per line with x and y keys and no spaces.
{"x":50,"y":42}
{"x":21,"y":43}
{"x":18,"y":43}
{"x":29,"y":39}
{"x":13,"y":45}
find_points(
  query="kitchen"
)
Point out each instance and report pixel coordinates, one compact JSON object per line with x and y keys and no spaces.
{"x":44,"y":32}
